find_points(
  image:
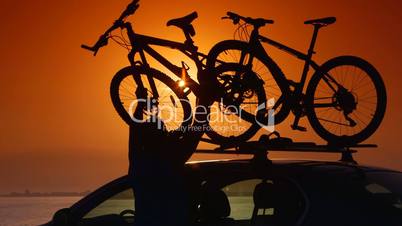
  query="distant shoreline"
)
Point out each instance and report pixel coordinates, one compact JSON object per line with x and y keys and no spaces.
{"x":38,"y":196}
{"x":50,"y":194}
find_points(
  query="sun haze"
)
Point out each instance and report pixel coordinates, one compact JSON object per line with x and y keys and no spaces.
{"x":59,"y":131}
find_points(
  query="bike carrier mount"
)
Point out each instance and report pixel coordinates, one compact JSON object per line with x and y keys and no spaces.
{"x":262,"y":148}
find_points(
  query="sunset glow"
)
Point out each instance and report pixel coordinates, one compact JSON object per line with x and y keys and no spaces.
{"x":59,"y":131}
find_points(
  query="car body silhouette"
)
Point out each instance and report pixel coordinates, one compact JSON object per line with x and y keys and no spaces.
{"x":283,"y":192}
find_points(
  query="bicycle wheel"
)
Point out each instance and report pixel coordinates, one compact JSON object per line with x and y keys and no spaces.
{"x":230,"y":51}
{"x":172,"y":106}
{"x":233,"y":119}
{"x":350,"y":111}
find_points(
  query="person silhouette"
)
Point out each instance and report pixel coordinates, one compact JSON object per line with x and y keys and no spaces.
{"x":156,"y":170}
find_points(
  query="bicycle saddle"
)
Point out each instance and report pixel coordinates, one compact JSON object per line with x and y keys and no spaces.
{"x":184,"y":23}
{"x":322,"y":22}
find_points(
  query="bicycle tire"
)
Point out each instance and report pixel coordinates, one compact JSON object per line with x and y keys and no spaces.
{"x":121,"y":107}
{"x":273,"y":68}
{"x":254,"y":127}
{"x":381,"y":101}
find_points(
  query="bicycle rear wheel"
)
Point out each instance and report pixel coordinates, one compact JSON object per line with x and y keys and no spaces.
{"x":172,"y":106}
{"x":233,"y":119}
{"x":350,"y":111}
{"x":230,"y":51}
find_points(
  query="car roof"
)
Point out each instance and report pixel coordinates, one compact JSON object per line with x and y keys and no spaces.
{"x":316,"y":165}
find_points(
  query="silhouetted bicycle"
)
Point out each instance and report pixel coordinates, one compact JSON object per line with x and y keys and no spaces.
{"x":345,"y":99}
{"x":168,"y":97}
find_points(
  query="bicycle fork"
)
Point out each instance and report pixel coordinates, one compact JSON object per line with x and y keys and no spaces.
{"x":145,"y":102}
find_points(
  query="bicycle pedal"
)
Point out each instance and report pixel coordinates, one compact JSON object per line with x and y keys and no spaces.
{"x":300,"y":128}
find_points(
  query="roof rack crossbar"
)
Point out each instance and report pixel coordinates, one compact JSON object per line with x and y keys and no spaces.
{"x":254,"y":147}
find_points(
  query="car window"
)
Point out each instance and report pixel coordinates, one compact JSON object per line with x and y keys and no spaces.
{"x":240,"y":196}
{"x":386,"y":186}
{"x":114,"y":205}
{"x":264,"y":202}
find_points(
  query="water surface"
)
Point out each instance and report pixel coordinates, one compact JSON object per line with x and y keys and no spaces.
{"x":28,"y":211}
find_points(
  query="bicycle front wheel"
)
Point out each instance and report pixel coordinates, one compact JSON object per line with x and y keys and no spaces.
{"x":241,"y":53}
{"x":346,"y":101}
{"x":234,"y":117}
{"x":172,"y":106}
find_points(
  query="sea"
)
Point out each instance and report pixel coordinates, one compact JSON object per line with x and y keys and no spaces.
{"x":29,"y":211}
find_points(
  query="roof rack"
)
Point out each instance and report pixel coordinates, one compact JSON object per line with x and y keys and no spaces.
{"x":281,"y":144}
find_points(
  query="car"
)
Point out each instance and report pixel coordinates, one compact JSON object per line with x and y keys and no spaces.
{"x":277,"y":192}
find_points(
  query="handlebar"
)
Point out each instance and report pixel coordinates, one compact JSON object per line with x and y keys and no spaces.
{"x":256,"y":22}
{"x":103,"y":39}
{"x":130,"y":10}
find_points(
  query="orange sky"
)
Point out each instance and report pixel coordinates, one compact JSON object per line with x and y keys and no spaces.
{"x":58,"y":128}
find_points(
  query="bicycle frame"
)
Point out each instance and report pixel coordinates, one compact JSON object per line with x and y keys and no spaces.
{"x":280,"y":78}
{"x":305,"y":57}
{"x":256,"y":39}
{"x":141,"y":44}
